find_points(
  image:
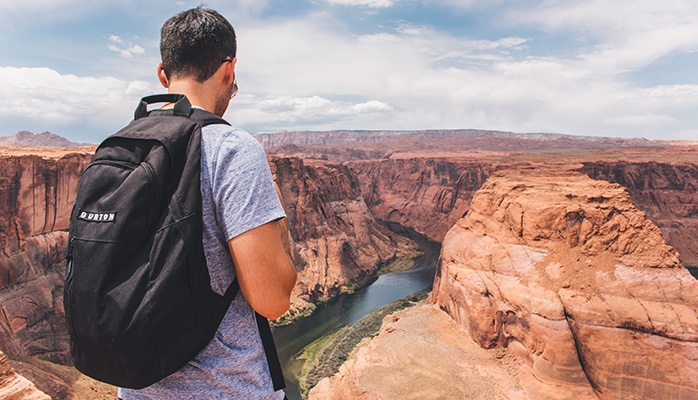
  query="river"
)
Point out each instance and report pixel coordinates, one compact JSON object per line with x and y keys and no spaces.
{"x":347,"y":309}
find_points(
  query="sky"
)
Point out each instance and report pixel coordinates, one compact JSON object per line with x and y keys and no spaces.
{"x":614,"y":68}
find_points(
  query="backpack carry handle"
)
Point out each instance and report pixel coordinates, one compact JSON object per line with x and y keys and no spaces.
{"x":182,"y":105}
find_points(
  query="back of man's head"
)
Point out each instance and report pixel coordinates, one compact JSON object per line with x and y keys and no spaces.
{"x":194,"y":43}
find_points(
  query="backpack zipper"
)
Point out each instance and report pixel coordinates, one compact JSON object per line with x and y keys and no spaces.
{"x":152,"y":194}
{"x":114,"y":163}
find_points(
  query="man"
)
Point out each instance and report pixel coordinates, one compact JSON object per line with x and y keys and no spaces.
{"x":245,"y":230}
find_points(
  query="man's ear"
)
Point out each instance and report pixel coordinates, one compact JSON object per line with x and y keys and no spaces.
{"x":162,"y":77}
{"x":230,"y":71}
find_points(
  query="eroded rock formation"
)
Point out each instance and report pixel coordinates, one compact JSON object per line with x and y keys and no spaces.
{"x":666,"y":192}
{"x":36,"y":197}
{"x":535,"y":293}
{"x":16,"y":387}
{"x":568,"y":275}
{"x":337,"y":239}
{"x":426,"y":194}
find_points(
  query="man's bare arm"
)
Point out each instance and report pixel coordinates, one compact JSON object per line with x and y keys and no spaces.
{"x":264,"y":268}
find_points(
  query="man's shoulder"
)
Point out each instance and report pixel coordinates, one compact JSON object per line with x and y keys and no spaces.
{"x":225,"y":136}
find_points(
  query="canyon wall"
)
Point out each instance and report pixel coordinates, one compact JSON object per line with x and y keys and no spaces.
{"x":666,"y":192}
{"x":337,"y":241}
{"x":426,"y":194}
{"x":568,"y":276}
{"x":36,"y":198}
{"x":336,"y":238}
{"x":564,"y":287}
{"x":431,"y":194}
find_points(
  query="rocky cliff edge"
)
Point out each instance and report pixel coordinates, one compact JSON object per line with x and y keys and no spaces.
{"x":567,"y":275}
{"x":16,"y":387}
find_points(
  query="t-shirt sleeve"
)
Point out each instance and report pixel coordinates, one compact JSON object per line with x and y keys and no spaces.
{"x":243,"y":188}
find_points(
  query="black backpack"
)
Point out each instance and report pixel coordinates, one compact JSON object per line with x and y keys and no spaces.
{"x":137,"y":295}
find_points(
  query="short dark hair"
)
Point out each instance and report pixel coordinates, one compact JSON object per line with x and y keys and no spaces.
{"x":195,"y":42}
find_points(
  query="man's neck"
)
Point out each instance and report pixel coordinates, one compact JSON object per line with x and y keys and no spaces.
{"x":196,"y":92}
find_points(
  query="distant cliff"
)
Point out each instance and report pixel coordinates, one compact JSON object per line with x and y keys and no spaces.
{"x":668,"y":194}
{"x":463,"y":137}
{"x":427,"y":194}
{"x":30,"y":139}
{"x":307,"y":138}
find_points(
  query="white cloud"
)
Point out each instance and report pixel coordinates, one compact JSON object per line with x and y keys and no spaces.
{"x":307,"y":112}
{"x":309,"y":73}
{"x":429,"y":79}
{"x":127,"y":50}
{"x":369,"y":3}
{"x":44,"y":97}
{"x":35,"y":10}
{"x":628,"y":34}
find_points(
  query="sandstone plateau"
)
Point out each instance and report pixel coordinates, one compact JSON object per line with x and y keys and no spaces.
{"x":568,"y":275}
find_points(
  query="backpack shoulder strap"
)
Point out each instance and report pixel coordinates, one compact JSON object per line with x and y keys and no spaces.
{"x":277,"y":375}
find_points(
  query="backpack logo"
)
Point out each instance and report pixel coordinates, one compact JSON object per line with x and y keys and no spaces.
{"x":96,"y":217}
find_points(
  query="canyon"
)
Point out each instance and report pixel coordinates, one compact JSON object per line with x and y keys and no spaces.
{"x":446,"y":187}
{"x":571,"y":289}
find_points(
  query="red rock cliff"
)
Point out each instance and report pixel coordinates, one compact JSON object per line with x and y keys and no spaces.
{"x":337,"y":239}
{"x":36,"y":197}
{"x":666,"y":192}
{"x":431,"y":194}
{"x":426,"y":194}
{"x":571,"y":278}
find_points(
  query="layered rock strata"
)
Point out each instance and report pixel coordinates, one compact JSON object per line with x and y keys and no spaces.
{"x":666,"y":192}
{"x":337,"y":239}
{"x":426,"y":194}
{"x":16,"y":387}
{"x":36,"y":197}
{"x":570,"y":277}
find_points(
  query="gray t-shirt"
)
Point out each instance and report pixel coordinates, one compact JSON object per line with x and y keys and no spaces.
{"x":238,"y":195}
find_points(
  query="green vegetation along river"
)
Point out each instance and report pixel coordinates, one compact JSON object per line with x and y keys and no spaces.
{"x":347,"y":309}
